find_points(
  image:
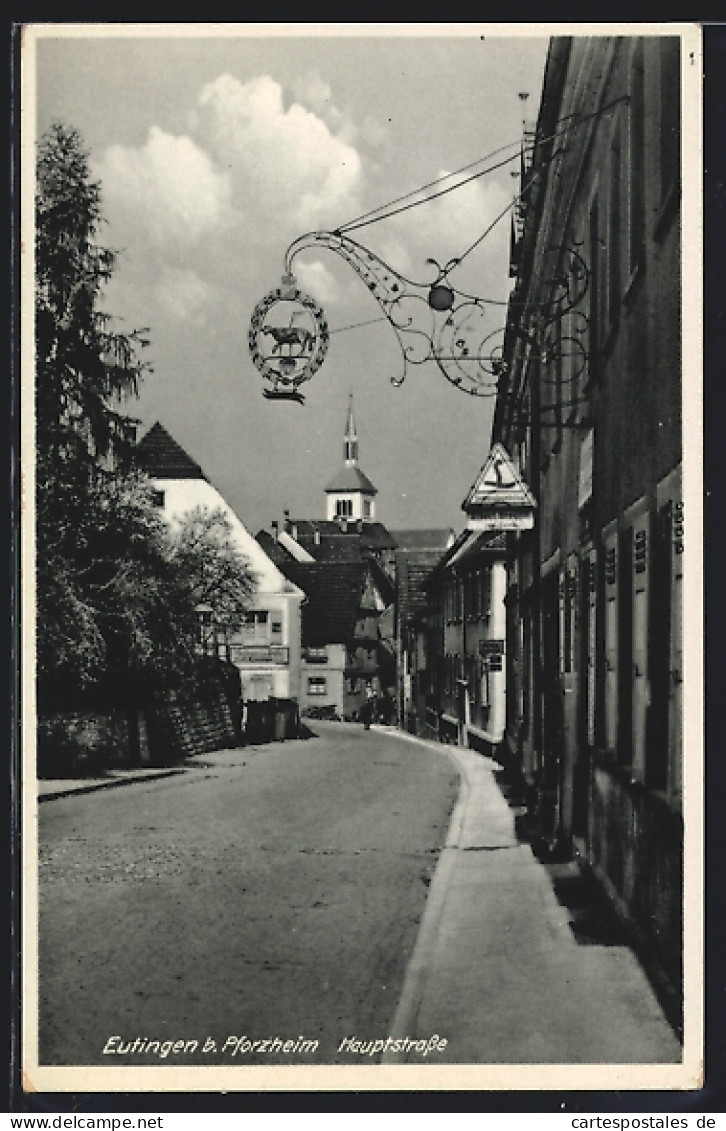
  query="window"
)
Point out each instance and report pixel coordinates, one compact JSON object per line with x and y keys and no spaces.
{"x":316,"y":655}
{"x":367,"y":509}
{"x":590,"y":598}
{"x":636,"y":157}
{"x":276,"y":628}
{"x":610,"y":633}
{"x":255,"y":627}
{"x":157,"y":498}
{"x":317,"y":685}
{"x":641,"y":682}
{"x":344,"y":508}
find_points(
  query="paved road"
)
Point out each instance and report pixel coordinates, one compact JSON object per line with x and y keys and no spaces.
{"x":269,"y":892}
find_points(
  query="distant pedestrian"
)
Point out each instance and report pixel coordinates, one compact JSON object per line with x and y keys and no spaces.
{"x":369,"y":708}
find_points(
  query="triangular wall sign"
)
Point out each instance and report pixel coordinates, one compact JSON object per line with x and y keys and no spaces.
{"x":499,"y":498}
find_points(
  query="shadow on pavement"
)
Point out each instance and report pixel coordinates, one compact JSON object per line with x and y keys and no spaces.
{"x":592,"y":918}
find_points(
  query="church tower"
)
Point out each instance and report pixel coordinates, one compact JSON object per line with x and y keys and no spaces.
{"x":350,"y":494}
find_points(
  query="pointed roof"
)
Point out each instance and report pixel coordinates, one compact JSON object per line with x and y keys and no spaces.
{"x":350,"y":430}
{"x":159,"y":455}
{"x":351,"y":478}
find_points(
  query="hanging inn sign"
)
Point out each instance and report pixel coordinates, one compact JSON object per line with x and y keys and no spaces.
{"x":499,"y":498}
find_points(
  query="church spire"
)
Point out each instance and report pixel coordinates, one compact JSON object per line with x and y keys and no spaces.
{"x":351,"y":437}
{"x":350,"y":494}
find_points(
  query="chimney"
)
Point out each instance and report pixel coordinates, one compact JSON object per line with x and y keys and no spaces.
{"x":316,"y":536}
{"x":275,"y":528}
{"x":359,"y":525}
{"x":287,"y":520}
{"x":344,"y":525}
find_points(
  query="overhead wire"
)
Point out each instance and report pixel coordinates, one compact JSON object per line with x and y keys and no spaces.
{"x":385,"y":211}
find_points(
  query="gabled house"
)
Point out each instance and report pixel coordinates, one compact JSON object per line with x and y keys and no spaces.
{"x":266,"y":649}
{"x":343,"y":651}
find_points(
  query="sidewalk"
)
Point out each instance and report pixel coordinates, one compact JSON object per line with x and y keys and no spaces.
{"x":498,"y":969}
{"x":51,"y":788}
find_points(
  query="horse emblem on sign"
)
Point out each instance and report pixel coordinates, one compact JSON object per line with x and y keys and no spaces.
{"x":288,"y":339}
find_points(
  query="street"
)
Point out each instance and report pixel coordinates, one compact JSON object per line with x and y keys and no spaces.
{"x":269,"y":893}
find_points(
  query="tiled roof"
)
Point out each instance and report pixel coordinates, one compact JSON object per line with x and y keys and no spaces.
{"x":351,"y":479}
{"x":333,"y":591}
{"x":338,"y":543}
{"x":275,"y":551}
{"x":159,"y":455}
{"x":412,"y":569}
{"x":433,"y":539}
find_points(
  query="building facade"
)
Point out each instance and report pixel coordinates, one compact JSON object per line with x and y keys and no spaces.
{"x":589,"y":406}
{"x":455,"y":642}
{"x":417,"y":552}
{"x":266,"y":648}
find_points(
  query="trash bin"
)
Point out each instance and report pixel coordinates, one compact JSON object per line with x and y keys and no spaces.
{"x":280,"y":714}
{"x":260,"y":724}
{"x":286,"y":723}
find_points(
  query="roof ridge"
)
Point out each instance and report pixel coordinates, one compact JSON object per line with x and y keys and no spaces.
{"x":163,"y":457}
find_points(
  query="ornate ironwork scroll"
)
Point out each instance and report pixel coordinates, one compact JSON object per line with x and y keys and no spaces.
{"x":432,"y":320}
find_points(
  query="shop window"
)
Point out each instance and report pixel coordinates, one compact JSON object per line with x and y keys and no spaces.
{"x":258,"y":688}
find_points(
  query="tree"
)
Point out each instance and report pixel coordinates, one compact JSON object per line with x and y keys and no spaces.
{"x":84,"y":368}
{"x":217,"y":573}
{"x":115,"y":612}
{"x":117,"y":593}
{"x":84,"y":372}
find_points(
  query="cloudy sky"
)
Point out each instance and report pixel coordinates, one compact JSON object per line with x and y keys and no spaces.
{"x":218,"y":146}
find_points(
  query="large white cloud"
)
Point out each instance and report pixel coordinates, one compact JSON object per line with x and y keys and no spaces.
{"x":195,"y":212}
{"x":168,"y":191}
{"x":304,"y":171}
